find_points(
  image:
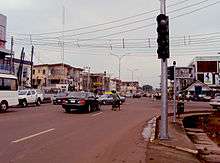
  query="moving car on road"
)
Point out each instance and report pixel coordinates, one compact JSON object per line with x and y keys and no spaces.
{"x":107,"y":99}
{"x":59,"y":98}
{"x":137,"y":95}
{"x":85,"y":101}
{"x":29,"y":96}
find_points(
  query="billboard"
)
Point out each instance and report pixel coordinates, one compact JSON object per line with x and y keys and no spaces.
{"x":208,"y":78}
{"x":217,"y":79}
{"x":207,"y":66}
{"x":184,"y":72}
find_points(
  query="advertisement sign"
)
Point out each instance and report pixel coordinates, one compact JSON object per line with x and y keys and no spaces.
{"x":217,"y":79}
{"x":184,"y":72}
{"x":208,"y":78}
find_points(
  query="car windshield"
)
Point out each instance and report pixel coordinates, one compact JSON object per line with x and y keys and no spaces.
{"x":78,"y":94}
{"x":22,"y":92}
{"x":61,"y":94}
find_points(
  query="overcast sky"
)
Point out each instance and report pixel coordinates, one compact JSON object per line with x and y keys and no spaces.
{"x":187,"y":32}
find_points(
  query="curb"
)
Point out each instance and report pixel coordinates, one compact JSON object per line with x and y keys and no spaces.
{"x":150,"y":129}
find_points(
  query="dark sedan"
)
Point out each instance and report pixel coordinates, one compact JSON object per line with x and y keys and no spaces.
{"x":59,"y":98}
{"x":107,"y":99}
{"x":84,"y":101}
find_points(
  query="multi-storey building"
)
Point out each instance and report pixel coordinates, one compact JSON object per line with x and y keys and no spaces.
{"x":115,"y":84}
{"x":48,"y":75}
{"x":129,"y":86}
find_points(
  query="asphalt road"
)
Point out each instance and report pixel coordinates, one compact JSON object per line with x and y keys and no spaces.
{"x":47,"y":134}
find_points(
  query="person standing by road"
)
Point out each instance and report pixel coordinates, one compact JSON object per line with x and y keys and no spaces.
{"x":116,"y":101}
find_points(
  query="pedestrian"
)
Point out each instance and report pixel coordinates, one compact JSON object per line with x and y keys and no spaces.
{"x":116,"y":101}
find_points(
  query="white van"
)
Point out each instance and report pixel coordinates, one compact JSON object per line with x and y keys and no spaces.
{"x":8,"y":91}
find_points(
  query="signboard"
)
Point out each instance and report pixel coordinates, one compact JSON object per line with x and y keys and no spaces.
{"x":184,"y":72}
{"x":208,"y":78}
{"x":217,"y":79}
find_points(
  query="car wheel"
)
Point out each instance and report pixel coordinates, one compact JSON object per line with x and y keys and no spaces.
{"x":4,"y":106}
{"x":67,"y":110}
{"x":38,"y":102}
{"x":104,"y":102}
{"x":24,"y":103}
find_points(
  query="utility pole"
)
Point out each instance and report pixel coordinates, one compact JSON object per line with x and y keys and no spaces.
{"x":103,"y":81}
{"x":88,"y":77}
{"x":174,"y":92}
{"x":164,"y":109}
{"x":119,"y":57}
{"x":12,"y":56}
{"x":132,"y":73}
{"x":63,"y":44}
{"x":32,"y":54}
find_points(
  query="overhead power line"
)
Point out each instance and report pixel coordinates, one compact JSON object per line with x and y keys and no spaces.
{"x":106,"y":23}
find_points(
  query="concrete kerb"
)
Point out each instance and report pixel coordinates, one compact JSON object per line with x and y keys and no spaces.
{"x":150,"y":132}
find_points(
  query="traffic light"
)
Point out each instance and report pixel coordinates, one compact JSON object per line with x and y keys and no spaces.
{"x":163,"y":36}
{"x":170,"y":72}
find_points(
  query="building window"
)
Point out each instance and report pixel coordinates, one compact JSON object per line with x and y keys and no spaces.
{"x":38,"y":71}
{"x":33,"y":72}
{"x":44,"y":72}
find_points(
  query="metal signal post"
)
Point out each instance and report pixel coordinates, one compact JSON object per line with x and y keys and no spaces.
{"x":163,"y":54}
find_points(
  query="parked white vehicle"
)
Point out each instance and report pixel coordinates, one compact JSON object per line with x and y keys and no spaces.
{"x":8,"y":91}
{"x":30,"y":96}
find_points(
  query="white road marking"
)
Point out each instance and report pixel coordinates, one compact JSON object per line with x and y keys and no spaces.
{"x":96,"y":114}
{"x":31,"y":136}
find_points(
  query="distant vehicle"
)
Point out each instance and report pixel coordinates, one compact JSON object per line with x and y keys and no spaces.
{"x":129,"y":95}
{"x":107,"y":99}
{"x":215,"y":103}
{"x":59,"y":98}
{"x":137,"y":95}
{"x":85,"y":101}
{"x":8,"y":91}
{"x":122,"y":99}
{"x":30,"y":96}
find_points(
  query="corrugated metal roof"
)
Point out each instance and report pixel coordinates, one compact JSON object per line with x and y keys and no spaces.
{"x":207,"y":58}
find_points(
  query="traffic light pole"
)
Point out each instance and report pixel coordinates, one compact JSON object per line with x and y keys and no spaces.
{"x":164,"y":109}
{"x":174,"y":93}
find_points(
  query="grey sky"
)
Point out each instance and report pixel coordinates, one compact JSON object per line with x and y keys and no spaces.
{"x":40,"y":16}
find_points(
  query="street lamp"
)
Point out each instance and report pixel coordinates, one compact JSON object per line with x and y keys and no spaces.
{"x":120,"y":57}
{"x":132,"y":73}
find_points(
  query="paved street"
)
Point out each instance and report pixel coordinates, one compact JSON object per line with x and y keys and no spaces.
{"x":48,"y":134}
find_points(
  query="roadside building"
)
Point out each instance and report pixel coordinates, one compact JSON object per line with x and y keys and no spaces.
{"x":207,"y":70}
{"x":55,"y":75}
{"x":129,"y":87}
{"x":5,"y":62}
{"x":99,"y":82}
{"x":115,"y":84}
